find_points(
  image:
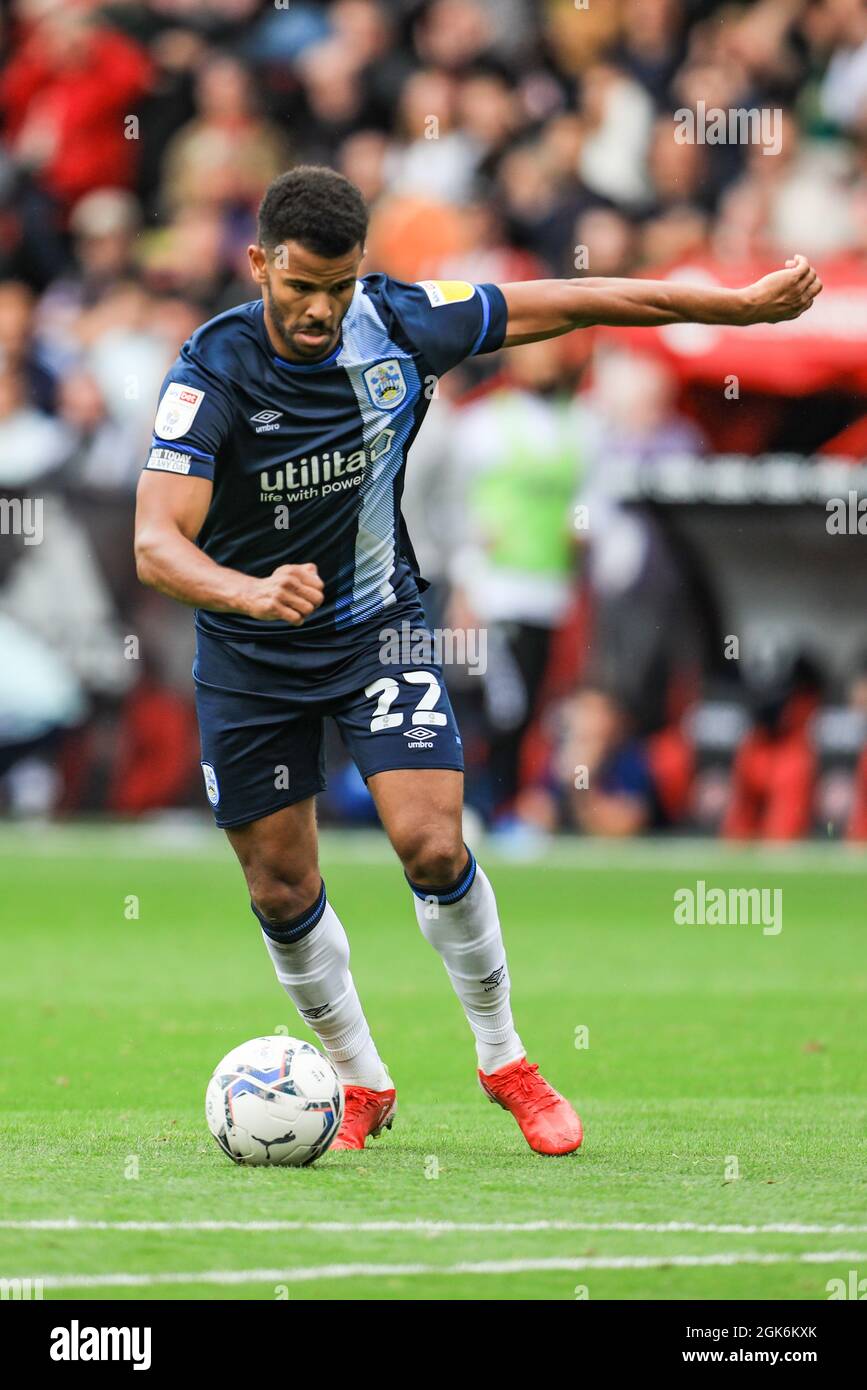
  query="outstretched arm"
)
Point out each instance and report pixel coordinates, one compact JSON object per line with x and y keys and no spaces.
{"x":547,"y":308}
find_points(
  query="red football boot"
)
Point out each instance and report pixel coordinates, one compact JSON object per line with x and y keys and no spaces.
{"x":546,"y":1119}
{"x":366,"y":1113}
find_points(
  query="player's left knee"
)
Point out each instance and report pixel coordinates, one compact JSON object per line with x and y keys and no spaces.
{"x":433,"y":856}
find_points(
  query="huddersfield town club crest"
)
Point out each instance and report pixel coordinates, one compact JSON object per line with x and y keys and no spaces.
{"x":385,"y":384}
{"x":212,"y":787}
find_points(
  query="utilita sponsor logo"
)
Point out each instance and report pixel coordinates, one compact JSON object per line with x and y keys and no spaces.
{"x":77,"y":1343}
{"x":320,"y":474}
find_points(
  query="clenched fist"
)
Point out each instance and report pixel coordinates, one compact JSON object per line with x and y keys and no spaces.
{"x":288,"y":595}
{"x":784,"y":294}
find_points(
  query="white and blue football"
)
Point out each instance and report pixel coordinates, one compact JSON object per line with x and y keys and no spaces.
{"x":275,"y":1101}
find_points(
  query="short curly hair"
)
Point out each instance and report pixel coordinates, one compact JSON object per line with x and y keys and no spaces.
{"x":315,"y":206}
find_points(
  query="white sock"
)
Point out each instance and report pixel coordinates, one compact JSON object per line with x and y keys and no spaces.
{"x":466,"y":932}
{"x":314,"y":971}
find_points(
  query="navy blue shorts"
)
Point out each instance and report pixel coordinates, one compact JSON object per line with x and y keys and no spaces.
{"x":262,"y":705}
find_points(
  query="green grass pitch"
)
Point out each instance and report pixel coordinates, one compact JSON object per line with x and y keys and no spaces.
{"x":722,"y":1087}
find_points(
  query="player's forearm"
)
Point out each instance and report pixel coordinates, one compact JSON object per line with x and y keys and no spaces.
{"x":548,"y":308}
{"x":168,"y":562}
{"x":654,"y":303}
{"x":539,"y":309}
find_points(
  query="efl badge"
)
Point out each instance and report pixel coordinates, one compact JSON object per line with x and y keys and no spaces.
{"x":385,"y":384}
{"x":211,"y":785}
{"x":441,"y":292}
{"x":177,"y":410}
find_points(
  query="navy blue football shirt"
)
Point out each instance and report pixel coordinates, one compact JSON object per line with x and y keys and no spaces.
{"x":308,"y":461}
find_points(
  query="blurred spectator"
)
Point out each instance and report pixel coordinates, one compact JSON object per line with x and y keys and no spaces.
{"x":156,"y":752}
{"x":31,"y":237}
{"x":19,"y":350}
{"x":487,"y":109}
{"x":630,"y":421}
{"x":362,"y":159}
{"x":485,"y":254}
{"x":67,"y":95}
{"x":579,"y":38}
{"x":31,"y":442}
{"x":368,"y":29}
{"x":606,"y":777}
{"x":410,"y":238}
{"x":806,"y":193}
{"x":194,"y":259}
{"x":126,"y":356}
{"x":40,"y":699}
{"x":677,"y":234}
{"x":433,"y":497}
{"x":678,"y":170}
{"x":436,"y":158}
{"x":618,"y":117}
{"x":454,"y":34}
{"x":104,"y":225}
{"x":775,"y":765}
{"x":857,"y":828}
{"x":857,"y":693}
{"x":512,"y":569}
{"x":225,"y":156}
{"x":652,"y":44}
{"x":103,"y":452}
{"x":609,"y":240}
{"x":334,"y":98}
{"x":840,"y":28}
{"x":541,"y":200}
{"x":857,"y":703}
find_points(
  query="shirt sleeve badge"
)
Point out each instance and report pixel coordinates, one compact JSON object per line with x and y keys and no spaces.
{"x":177,"y":410}
{"x":441,"y":292}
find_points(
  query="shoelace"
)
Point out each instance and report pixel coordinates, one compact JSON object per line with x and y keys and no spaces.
{"x":356,"y":1105}
{"x":526,"y":1084}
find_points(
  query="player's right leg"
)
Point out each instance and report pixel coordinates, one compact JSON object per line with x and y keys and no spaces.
{"x":310,"y":951}
{"x":263,"y":765}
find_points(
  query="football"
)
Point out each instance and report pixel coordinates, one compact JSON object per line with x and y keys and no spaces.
{"x":275,"y":1101}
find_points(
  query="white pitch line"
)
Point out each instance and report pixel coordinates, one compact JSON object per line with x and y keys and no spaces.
{"x":483,"y":1267}
{"x":789,"y":1228}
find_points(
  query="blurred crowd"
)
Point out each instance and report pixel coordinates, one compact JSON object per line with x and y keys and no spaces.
{"x":494,"y":140}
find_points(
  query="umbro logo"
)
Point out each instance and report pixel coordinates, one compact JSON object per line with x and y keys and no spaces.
{"x":420,"y":737}
{"x":315,"y":1012}
{"x":266,"y":420}
{"x":491,"y":981}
